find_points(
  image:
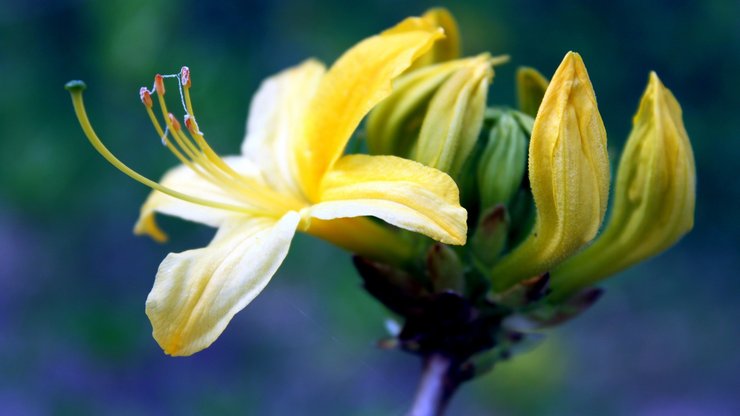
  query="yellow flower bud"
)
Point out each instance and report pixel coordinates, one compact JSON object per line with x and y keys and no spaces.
{"x":394,"y":124}
{"x":653,"y":198}
{"x":530,"y":88}
{"x":435,"y":113}
{"x":568,"y":173}
{"x":454,"y":118}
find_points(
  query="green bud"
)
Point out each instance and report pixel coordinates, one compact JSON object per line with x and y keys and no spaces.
{"x":530,"y":89}
{"x":654,"y":196}
{"x":490,"y":236}
{"x":502,"y":166}
{"x":445,"y":269}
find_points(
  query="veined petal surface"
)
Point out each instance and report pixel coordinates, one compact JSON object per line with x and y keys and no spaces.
{"x":355,"y":83}
{"x":447,"y":48}
{"x":276,"y":121}
{"x":197,"y":292}
{"x":401,"y":192}
{"x":185,"y":180}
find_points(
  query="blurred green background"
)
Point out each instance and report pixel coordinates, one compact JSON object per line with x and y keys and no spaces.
{"x":73,"y":279}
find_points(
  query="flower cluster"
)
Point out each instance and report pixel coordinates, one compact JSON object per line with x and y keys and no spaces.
{"x":526,"y":189}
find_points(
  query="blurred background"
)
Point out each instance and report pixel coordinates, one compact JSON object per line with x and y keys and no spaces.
{"x":73,"y":279}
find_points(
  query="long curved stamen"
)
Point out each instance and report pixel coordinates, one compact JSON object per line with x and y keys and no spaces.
{"x":206,"y":157}
{"x":75,"y":89}
{"x":219,"y":173}
{"x":146,"y":99}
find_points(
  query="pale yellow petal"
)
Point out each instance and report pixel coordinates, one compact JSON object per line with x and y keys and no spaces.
{"x":276,"y":121}
{"x":401,"y":192}
{"x":184,"y":180}
{"x":355,"y":83}
{"x":197,"y":292}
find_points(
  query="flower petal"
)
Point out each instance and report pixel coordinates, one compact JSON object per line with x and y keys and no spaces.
{"x":355,"y":83}
{"x":401,"y":192}
{"x":197,"y":292}
{"x":276,"y":119}
{"x":446,"y":49}
{"x":183,"y":179}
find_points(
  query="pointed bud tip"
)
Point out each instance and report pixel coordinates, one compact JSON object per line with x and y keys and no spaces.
{"x":75,"y":86}
{"x":654,"y":81}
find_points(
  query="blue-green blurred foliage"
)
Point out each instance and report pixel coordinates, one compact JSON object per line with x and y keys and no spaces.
{"x":73,"y":335}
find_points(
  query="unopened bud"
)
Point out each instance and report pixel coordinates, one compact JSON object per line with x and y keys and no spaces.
{"x":530,"y":88}
{"x":394,"y":124}
{"x":455,"y":118}
{"x":568,"y":175}
{"x":654,"y":195}
{"x":434,"y":115}
{"x":504,"y":160}
{"x":445,"y":269}
{"x":490,"y":236}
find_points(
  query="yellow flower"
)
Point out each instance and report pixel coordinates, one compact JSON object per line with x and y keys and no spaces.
{"x":568,"y":173}
{"x":292,"y":175}
{"x":653,"y":199}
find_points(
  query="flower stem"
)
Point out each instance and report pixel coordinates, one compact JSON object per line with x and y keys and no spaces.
{"x":437,"y":385}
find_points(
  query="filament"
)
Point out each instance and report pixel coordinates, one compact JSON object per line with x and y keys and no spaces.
{"x":75,"y":89}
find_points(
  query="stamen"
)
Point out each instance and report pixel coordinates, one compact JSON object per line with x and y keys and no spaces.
{"x":75,"y":89}
{"x":164,"y":136}
{"x":204,"y":160}
{"x":146,"y":97}
{"x":174,"y":123}
{"x":185,"y":77}
{"x":159,"y":85}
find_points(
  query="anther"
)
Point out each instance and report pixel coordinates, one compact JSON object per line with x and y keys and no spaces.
{"x":189,"y":124}
{"x":185,"y":77}
{"x":159,"y":84}
{"x":175,"y":123}
{"x":146,"y":97}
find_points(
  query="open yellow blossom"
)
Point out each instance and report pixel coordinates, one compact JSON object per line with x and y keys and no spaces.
{"x":292,"y":175}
